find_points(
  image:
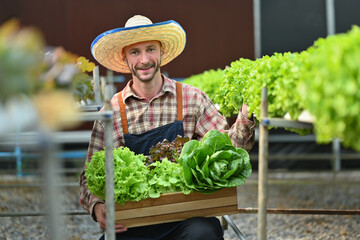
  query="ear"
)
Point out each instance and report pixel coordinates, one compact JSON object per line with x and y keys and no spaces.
{"x":123,"y":57}
{"x":162,"y":52}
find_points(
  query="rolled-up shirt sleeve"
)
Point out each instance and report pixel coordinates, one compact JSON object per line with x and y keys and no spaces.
{"x":241,"y":133}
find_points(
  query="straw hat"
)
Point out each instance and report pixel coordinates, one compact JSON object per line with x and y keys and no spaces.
{"x":107,"y":47}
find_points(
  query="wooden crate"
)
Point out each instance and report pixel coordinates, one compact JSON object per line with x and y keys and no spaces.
{"x":177,"y":206}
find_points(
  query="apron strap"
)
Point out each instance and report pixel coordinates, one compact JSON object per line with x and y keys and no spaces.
{"x":179,"y":101}
{"x":179,"y":117}
{"x":123,"y":113}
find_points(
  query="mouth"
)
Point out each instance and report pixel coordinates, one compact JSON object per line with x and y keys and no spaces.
{"x":144,"y":69}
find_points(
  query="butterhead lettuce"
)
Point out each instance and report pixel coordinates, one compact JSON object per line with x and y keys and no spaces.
{"x":214,"y":163}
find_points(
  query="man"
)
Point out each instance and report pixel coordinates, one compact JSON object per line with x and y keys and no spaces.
{"x":152,"y":108}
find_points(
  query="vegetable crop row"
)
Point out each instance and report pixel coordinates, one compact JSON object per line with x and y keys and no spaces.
{"x":323,"y":80}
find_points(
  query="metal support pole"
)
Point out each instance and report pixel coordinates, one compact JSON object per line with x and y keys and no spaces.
{"x":110,"y":204}
{"x":330,"y":17}
{"x":54,"y":197}
{"x":96,"y":77}
{"x":18,"y":160}
{"x":336,"y":159}
{"x":331,"y":30}
{"x":234,"y":227}
{"x":257,"y":28}
{"x":263,"y":168}
{"x":18,"y":153}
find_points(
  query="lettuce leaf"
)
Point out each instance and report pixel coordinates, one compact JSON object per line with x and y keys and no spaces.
{"x":133,"y":180}
{"x":130,"y":175}
{"x":166,"y":177}
{"x":214,"y":163}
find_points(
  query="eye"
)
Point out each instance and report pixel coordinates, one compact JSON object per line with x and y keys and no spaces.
{"x":133,"y":52}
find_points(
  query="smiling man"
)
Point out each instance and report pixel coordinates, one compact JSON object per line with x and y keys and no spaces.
{"x":144,"y":60}
{"x":152,"y":108}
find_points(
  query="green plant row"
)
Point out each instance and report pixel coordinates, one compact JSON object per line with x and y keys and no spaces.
{"x":207,"y":81}
{"x":330,"y":87}
{"x":324,"y":80}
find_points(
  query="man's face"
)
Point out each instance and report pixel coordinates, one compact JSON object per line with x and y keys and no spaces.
{"x":144,"y":59}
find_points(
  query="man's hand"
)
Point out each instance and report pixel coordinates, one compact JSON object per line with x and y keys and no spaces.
{"x":100,"y":210}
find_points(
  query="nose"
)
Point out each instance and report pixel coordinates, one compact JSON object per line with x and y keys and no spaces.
{"x":144,"y":59}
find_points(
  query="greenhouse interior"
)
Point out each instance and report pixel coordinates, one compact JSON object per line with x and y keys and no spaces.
{"x":255,"y":124}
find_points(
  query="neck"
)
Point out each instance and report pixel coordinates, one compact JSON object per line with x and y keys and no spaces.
{"x":147,"y":89}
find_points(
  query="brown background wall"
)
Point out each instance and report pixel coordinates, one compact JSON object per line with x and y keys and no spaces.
{"x":218,"y":32}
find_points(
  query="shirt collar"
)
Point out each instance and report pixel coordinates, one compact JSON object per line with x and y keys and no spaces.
{"x":169,"y":86}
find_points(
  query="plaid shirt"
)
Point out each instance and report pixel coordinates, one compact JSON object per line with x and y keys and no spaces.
{"x":199,"y":116}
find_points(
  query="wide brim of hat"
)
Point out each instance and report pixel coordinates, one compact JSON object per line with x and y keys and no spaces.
{"x":107,"y":47}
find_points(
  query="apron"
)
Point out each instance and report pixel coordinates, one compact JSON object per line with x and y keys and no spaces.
{"x":141,"y":144}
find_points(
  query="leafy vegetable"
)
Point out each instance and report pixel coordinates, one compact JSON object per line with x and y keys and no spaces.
{"x":133,"y":181}
{"x":208,"y":81}
{"x":205,"y":166}
{"x":166,"y":149}
{"x":28,"y":67}
{"x":85,"y":65}
{"x":95,"y":174}
{"x":214,"y":163}
{"x":81,"y":84}
{"x":82,"y":88}
{"x":330,"y":86}
{"x":130,"y":175}
{"x":165,"y":177}
{"x":323,"y":80}
{"x":20,"y":59}
{"x":236,"y":86}
{"x":245,"y":78}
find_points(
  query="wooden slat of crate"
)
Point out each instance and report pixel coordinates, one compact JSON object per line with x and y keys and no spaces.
{"x":176,"y":207}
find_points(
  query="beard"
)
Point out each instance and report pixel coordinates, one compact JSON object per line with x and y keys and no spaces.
{"x":146,"y":77}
